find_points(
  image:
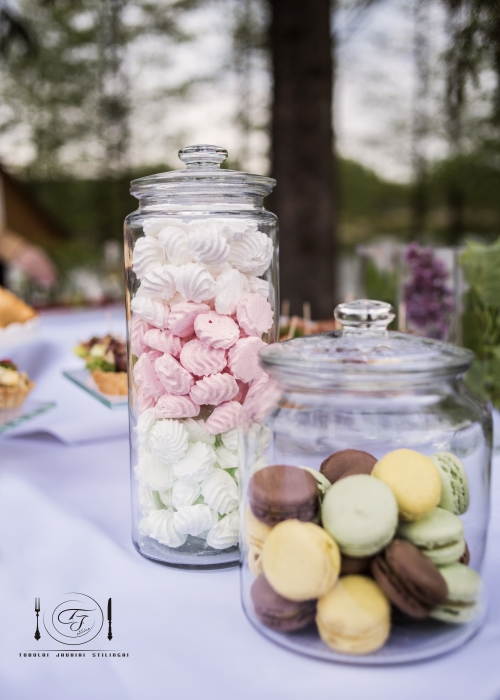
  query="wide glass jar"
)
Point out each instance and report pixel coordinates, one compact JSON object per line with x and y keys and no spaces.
{"x":201,"y":271}
{"x":364,"y":522}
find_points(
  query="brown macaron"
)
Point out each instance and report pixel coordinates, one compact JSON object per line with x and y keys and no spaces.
{"x":409,"y":579}
{"x":347,"y":463}
{"x":351,"y":566}
{"x":465,"y":558}
{"x":281,"y":492}
{"x":277,"y":612}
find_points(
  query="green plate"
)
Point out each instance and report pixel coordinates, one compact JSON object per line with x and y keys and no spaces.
{"x":12,"y":417}
{"x":83,"y":379}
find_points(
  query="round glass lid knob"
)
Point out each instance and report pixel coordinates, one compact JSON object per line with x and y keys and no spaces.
{"x":365,"y":314}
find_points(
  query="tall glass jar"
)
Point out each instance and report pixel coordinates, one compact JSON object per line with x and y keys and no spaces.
{"x":400,"y":453}
{"x":201,"y":272}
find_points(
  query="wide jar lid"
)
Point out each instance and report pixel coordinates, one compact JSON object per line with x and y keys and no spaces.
{"x":202,"y":173}
{"x":364,"y":349}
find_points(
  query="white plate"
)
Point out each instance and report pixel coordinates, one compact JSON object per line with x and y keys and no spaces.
{"x":19,"y":333}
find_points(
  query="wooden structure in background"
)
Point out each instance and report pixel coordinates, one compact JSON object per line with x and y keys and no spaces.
{"x":22,"y":214}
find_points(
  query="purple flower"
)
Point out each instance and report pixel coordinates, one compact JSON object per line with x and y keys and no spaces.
{"x":429,"y":301}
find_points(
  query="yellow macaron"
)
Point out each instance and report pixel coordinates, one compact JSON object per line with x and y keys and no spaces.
{"x":414,"y":480}
{"x":255,"y":530}
{"x":301,"y":561}
{"x":355,"y":617}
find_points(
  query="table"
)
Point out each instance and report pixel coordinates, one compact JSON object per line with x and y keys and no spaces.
{"x":64,"y":524}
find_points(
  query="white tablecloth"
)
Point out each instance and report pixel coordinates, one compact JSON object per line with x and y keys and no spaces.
{"x":64,"y":526}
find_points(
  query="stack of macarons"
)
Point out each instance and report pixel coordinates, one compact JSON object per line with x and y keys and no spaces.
{"x":344,"y":546}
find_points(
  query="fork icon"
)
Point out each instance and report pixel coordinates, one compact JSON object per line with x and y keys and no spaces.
{"x":37,"y":610}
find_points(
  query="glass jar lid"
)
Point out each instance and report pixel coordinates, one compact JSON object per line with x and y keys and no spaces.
{"x":364,"y":349}
{"x":202,"y":174}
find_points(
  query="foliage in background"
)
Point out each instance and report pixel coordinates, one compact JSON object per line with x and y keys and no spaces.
{"x":481,"y":320}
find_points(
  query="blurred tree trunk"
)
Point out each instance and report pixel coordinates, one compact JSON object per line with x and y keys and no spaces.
{"x":302,"y":153}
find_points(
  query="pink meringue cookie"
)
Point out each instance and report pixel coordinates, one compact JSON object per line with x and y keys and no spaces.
{"x":216,"y":330}
{"x":214,"y":390}
{"x":164,"y":341}
{"x":224,"y":418}
{"x":138,"y":329}
{"x":145,"y":400}
{"x":202,"y":360}
{"x":175,"y":406}
{"x":242,"y":391}
{"x":173,"y":376}
{"x":263,"y":396}
{"x":182,"y":317}
{"x":243,"y":358}
{"x":145,"y":375}
{"x":254,"y":314}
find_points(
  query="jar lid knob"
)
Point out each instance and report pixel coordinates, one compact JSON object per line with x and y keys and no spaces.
{"x":203,"y":156}
{"x":364,"y":314}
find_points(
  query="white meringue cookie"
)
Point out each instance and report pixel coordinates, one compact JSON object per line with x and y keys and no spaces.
{"x":225,"y":533}
{"x":166,"y":498}
{"x":194,"y":520}
{"x":229,"y":288}
{"x":220,"y":492}
{"x":160,"y":526}
{"x":195,"y":282}
{"x":197,"y":463}
{"x":153,"y":473}
{"x":198,"y":432}
{"x":184,"y":494}
{"x":216,"y":270}
{"x":154,"y":311}
{"x":235,"y":229}
{"x":258,"y":286}
{"x":174,"y":241}
{"x":159,"y":282}
{"x":149,"y":500}
{"x":226,"y":459}
{"x":206,"y":245}
{"x":252,"y":254}
{"x":154,"y":225}
{"x":168,"y":440}
{"x":230,"y":439}
{"x":144,"y":424}
{"x":147,"y":255}
{"x":259,"y":463}
{"x":259,"y":437}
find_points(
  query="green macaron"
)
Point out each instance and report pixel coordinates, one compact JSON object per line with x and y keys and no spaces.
{"x":455,"y":492}
{"x":464,"y":590}
{"x":439,"y":534}
{"x":361,"y":514}
{"x":323,"y":483}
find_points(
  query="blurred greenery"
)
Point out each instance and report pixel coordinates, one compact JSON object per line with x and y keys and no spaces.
{"x":481,"y":318}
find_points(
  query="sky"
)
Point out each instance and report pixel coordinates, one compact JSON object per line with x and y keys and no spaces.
{"x":372,"y":105}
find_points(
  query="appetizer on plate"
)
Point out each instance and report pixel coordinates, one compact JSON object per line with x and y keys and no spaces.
{"x":106,"y":359}
{"x":14,"y":385}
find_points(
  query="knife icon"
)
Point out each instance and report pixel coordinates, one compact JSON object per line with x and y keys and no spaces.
{"x":110,"y":633}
